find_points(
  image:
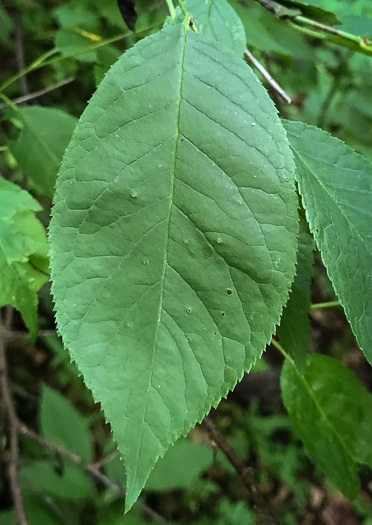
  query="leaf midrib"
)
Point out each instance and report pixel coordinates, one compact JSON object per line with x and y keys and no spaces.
{"x":165,"y":260}
{"x":319,"y":408}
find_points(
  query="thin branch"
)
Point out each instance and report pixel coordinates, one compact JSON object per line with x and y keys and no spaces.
{"x":19,"y":49}
{"x":90,"y":468}
{"x":39,"y":93}
{"x":11,"y":416}
{"x":261,"y":510}
{"x":318,"y":30}
{"x":13,"y":335}
{"x":330,"y":304}
{"x":273,"y":83}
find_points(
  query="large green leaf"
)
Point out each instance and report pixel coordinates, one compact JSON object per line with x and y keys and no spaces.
{"x":173,"y":238}
{"x":23,"y":252}
{"x":294,"y":329}
{"x":41,"y":144}
{"x":336,"y":188}
{"x":331,"y":412}
{"x":218,"y":20}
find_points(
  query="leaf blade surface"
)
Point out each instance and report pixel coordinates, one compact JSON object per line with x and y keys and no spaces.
{"x":169,"y":272}
{"x":219,"y":21}
{"x":336,"y":188}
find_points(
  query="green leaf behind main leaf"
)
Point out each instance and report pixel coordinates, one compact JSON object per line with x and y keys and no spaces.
{"x":40,"y":146}
{"x":23,"y":252}
{"x":294,"y":329}
{"x":336,"y":188}
{"x":173,"y":238}
{"x":331,"y":412}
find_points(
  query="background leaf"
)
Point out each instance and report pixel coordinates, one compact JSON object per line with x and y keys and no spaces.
{"x":331,"y":412}
{"x":23,"y":252}
{"x":69,"y":429}
{"x":41,"y":144}
{"x":179,"y":467}
{"x":294,"y":329}
{"x":218,"y":20}
{"x":336,"y":188}
{"x":173,"y":238}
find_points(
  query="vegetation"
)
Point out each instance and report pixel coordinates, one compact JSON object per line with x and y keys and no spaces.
{"x":214,"y":201}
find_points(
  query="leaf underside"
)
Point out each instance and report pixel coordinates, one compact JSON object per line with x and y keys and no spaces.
{"x":173,"y":238}
{"x":336,"y":188}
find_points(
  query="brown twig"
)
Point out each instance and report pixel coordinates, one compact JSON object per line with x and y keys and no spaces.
{"x":11,"y":416}
{"x":90,"y":468}
{"x":262,"y":513}
{"x":40,"y":92}
{"x":273,"y":83}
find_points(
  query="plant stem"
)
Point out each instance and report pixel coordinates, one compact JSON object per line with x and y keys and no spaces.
{"x":262,"y":512}
{"x":273,"y":83}
{"x":282,"y":351}
{"x":36,"y":94}
{"x":321,"y":31}
{"x":43,"y":61}
{"x":330,"y":304}
{"x":171,"y":9}
{"x":39,"y":62}
{"x":183,"y":7}
{"x":92,"y":469}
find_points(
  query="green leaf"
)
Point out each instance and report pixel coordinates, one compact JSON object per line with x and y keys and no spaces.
{"x":106,"y":56}
{"x":46,"y":133}
{"x":294,"y":329}
{"x":218,"y":20}
{"x":69,"y":429}
{"x":77,"y":16}
{"x":235,"y":514}
{"x":23,"y":252}
{"x":173,"y":238}
{"x":266,"y":33}
{"x":73,"y":44}
{"x":179,"y":467}
{"x":62,"y":480}
{"x":357,"y":25}
{"x":314,"y":10}
{"x":331,"y":412}
{"x":336,"y":188}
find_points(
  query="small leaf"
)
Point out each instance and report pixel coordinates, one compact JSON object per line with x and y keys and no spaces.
{"x":294,"y":329}
{"x":336,"y":188}
{"x":23,"y":252}
{"x":76,"y":16}
{"x":218,"y":20}
{"x":63,"y":480}
{"x":69,"y":429}
{"x":179,"y":467}
{"x":313,"y":9}
{"x":106,"y":56}
{"x":46,"y":133}
{"x":173,"y":238}
{"x":71,"y":43}
{"x":331,"y":412}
